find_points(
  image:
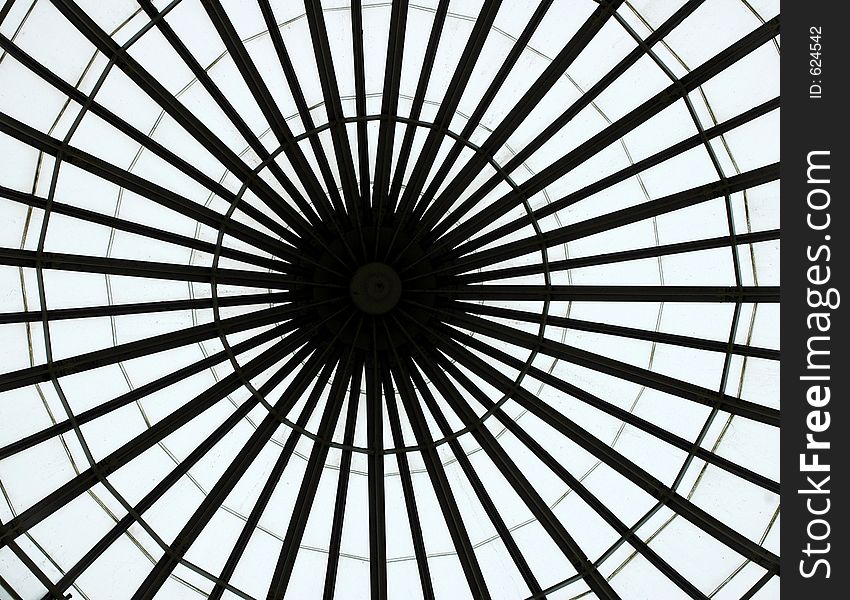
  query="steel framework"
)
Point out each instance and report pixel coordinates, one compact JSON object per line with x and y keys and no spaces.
{"x":435,"y":373}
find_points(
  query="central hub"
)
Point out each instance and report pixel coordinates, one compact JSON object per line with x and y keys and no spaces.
{"x":375,"y":288}
{"x":361,"y":278}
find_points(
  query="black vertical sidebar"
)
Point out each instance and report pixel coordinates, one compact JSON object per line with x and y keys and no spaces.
{"x":815,"y":433}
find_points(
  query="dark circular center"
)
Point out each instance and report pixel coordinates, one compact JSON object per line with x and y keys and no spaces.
{"x":364,"y":275}
{"x":375,"y":288}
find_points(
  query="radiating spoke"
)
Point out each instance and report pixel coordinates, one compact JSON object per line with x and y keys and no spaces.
{"x":341,"y":497}
{"x":147,"y":389}
{"x":612,"y":409}
{"x":449,"y":104}
{"x":180,"y":113}
{"x":615,"y":257}
{"x":622,"y":175}
{"x":519,"y":46}
{"x":241,"y":462}
{"x":136,"y":308}
{"x":225,"y":105}
{"x":263,"y":499}
{"x":615,"y":330}
{"x":375,"y":477}
{"x":315,"y":469}
{"x":425,"y":72}
{"x":615,"y":293}
{"x":146,"y":231}
{"x":625,"y":216}
{"x":582,"y":102}
{"x":143,"y":187}
{"x":622,"y":370}
{"x":360,"y":100}
{"x":610,"y":134}
{"x":143,"y":139}
{"x":61,"y":261}
{"x":508,"y":125}
{"x":179,"y":471}
{"x":333,"y":104}
{"x":442,"y":488}
{"x":389,"y":107}
{"x":477,"y":485}
{"x":156,"y":433}
{"x":145,"y":346}
{"x":520,"y":484}
{"x":322,"y":205}
{"x":413,"y":516}
{"x":617,"y":461}
{"x":576,"y":486}
{"x":265,"y":101}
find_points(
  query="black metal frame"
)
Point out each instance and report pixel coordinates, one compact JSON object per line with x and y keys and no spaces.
{"x":421,"y":358}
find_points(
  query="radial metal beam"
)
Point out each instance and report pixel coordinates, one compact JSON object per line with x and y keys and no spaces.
{"x":142,"y":391}
{"x":620,"y":369}
{"x":226,"y":106}
{"x":607,"y":136}
{"x":754,"y":589}
{"x":586,"y":99}
{"x":478,"y":486}
{"x":182,"y":115}
{"x":618,"y":218}
{"x":180,"y":470}
{"x":3,"y":583}
{"x":312,"y":475}
{"x":152,"y":233}
{"x":152,"y":191}
{"x":4,"y":11}
{"x":335,"y":544}
{"x":615,"y":293}
{"x":418,"y":99}
{"x":333,"y":105}
{"x":360,"y":101}
{"x":520,"y":45}
{"x":53,"y":593}
{"x":235,"y":470}
{"x":449,"y":104}
{"x":389,"y":108}
{"x":375,"y":468}
{"x":141,"y":138}
{"x":324,"y":207}
{"x":615,"y":330}
{"x":521,"y":485}
{"x":652,"y":486}
{"x":612,"y":409}
{"x":574,"y":484}
{"x":268,"y":105}
{"x":615,"y":257}
{"x":519,"y":113}
{"x":269,"y":487}
{"x":413,"y":517}
{"x":442,"y":489}
{"x":80,"y":263}
{"x":622,"y":175}
{"x":150,"y":437}
{"x":137,"y":308}
{"x":145,"y":346}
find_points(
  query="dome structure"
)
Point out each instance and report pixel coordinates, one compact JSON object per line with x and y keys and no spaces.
{"x":389,"y":300}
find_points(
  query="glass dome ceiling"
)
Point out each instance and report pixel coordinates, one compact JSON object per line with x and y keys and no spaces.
{"x":384,"y":300}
